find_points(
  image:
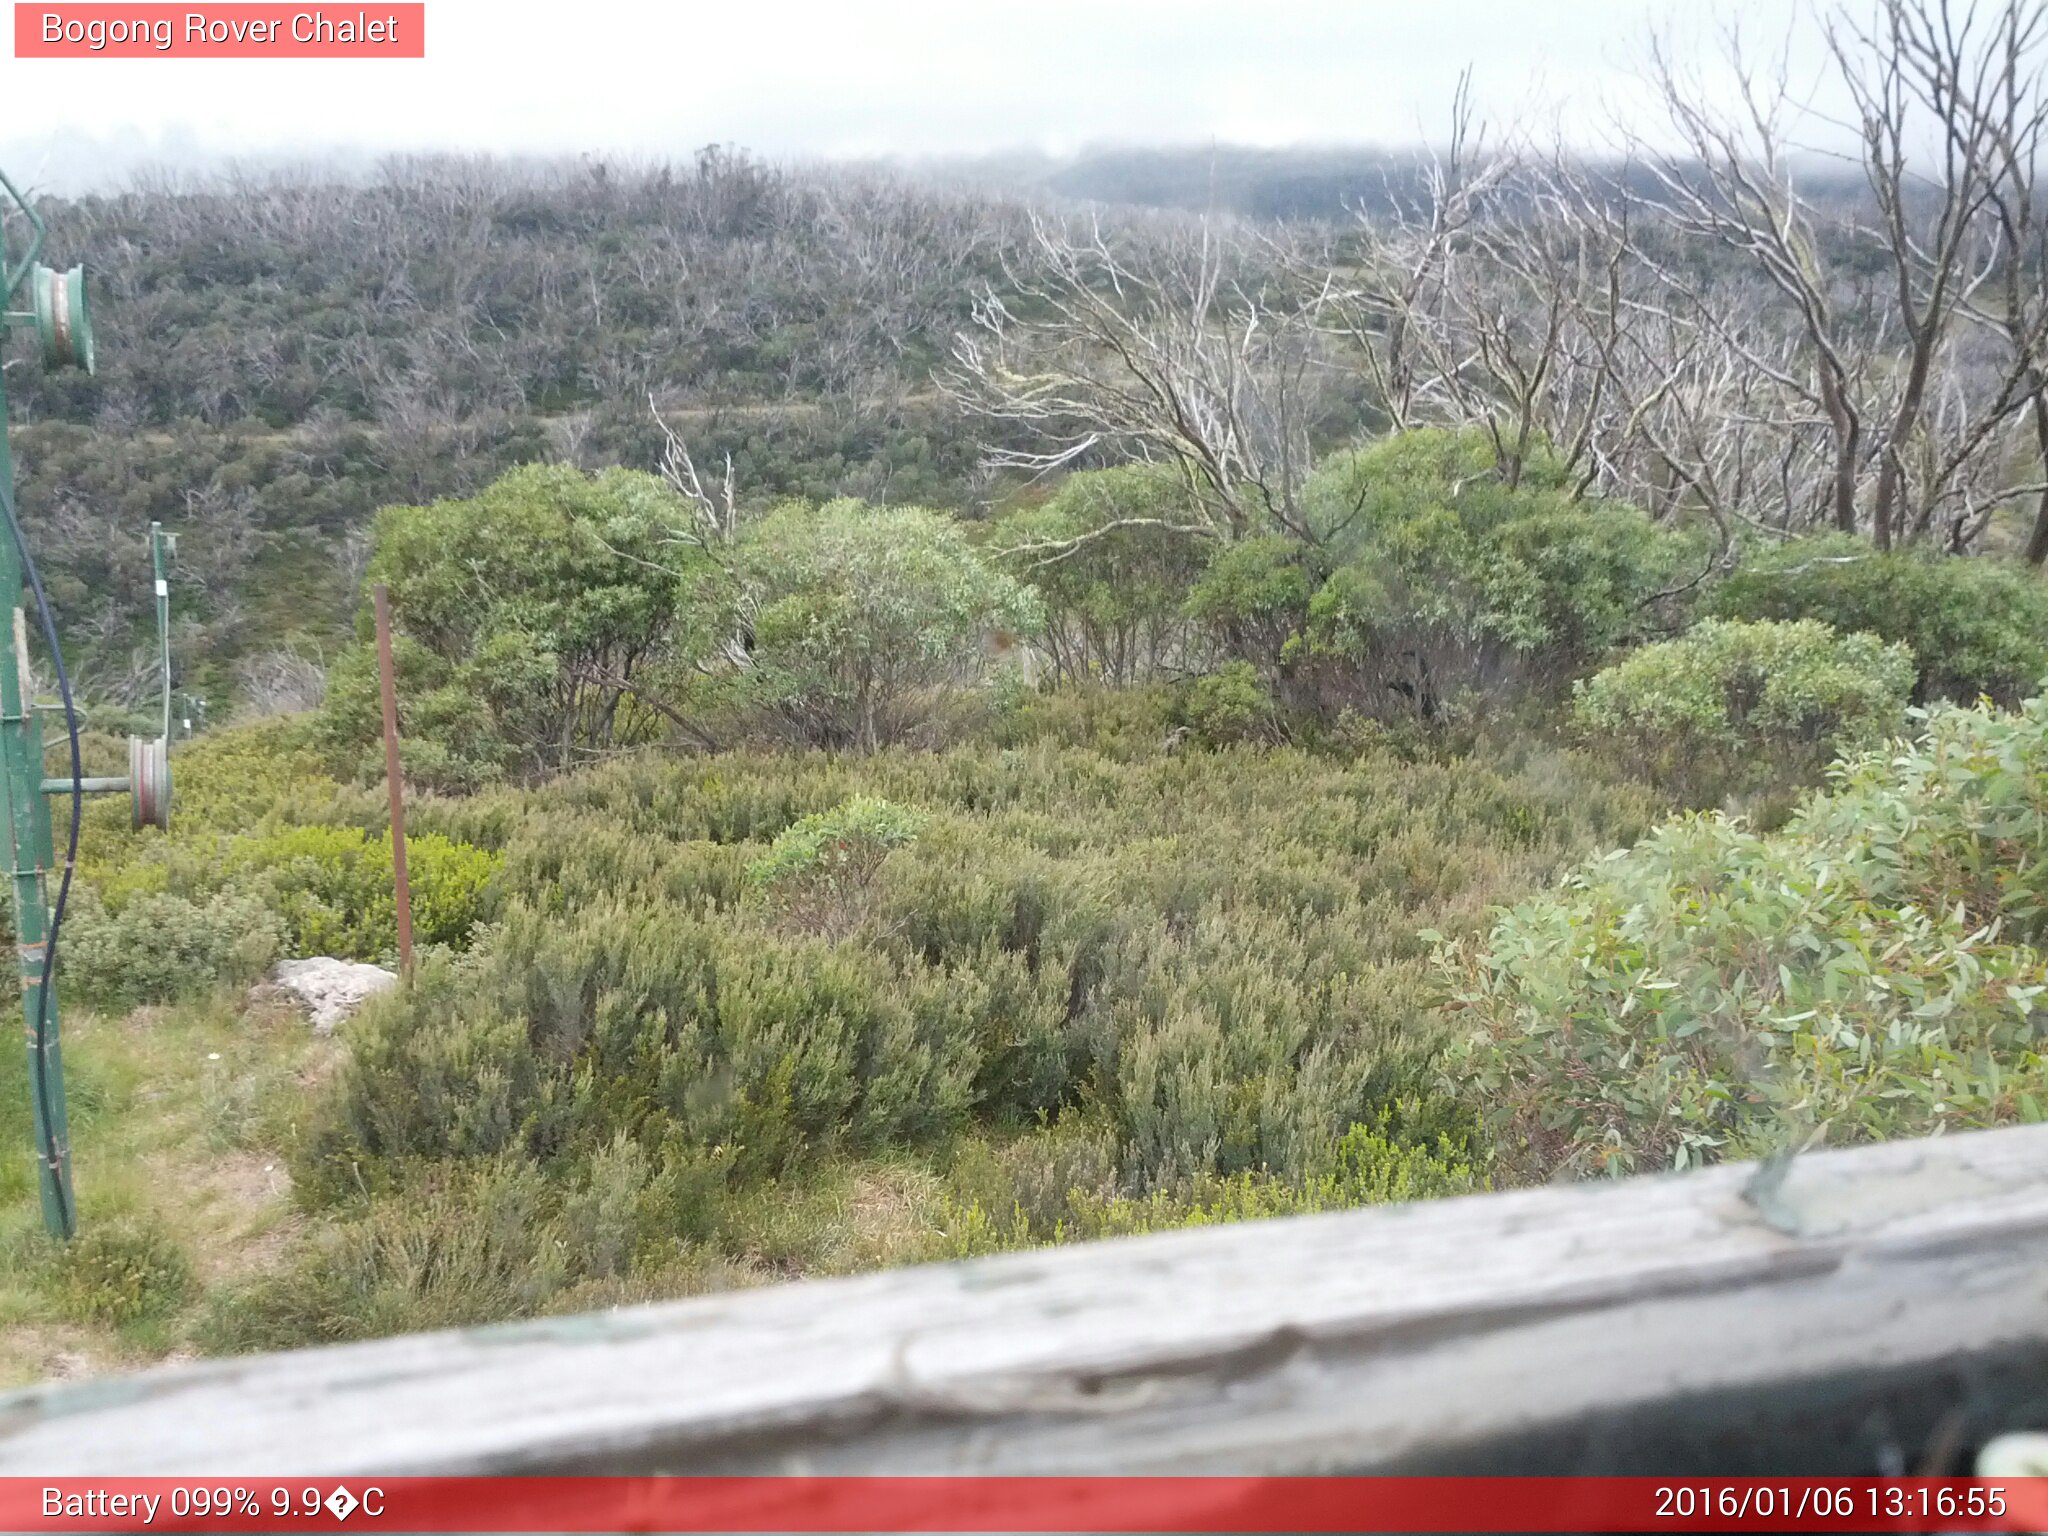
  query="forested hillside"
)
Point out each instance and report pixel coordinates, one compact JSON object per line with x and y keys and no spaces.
{"x":940,"y":721}
{"x":281,"y":359}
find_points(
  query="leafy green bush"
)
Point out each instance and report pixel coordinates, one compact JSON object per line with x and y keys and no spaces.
{"x":256,"y":819}
{"x":1445,"y":580}
{"x":1113,"y":569}
{"x":1732,"y":705}
{"x":161,"y":947}
{"x":1871,"y":970}
{"x":226,"y":781}
{"x":1976,"y":625}
{"x":522,"y":616}
{"x":853,"y":615}
{"x":819,"y":871}
{"x":333,"y":887}
{"x":231,"y":778}
{"x":1253,"y":595}
{"x":1430,"y":580}
{"x":1228,"y":706}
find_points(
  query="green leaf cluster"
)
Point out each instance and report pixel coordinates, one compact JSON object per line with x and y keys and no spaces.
{"x":848,"y":838}
{"x":526,"y":618}
{"x":1739,"y":706}
{"x":1976,"y":626}
{"x":819,"y":872}
{"x":850,"y":616}
{"x":1871,"y":970}
{"x":1113,"y":564}
{"x":1430,"y":579}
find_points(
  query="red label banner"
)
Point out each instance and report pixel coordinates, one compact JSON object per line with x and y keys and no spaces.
{"x":224,"y":31}
{"x":1023,"y":1504}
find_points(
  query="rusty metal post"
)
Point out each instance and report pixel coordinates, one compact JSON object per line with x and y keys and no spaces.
{"x":401,"y":887}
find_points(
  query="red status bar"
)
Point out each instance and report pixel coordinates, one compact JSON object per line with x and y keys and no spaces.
{"x":1023,"y":1504}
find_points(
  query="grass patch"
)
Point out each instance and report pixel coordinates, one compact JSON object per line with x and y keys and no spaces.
{"x":182,"y":1120}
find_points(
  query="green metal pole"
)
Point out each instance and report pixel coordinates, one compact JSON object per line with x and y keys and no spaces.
{"x":157,"y":540}
{"x":31,"y":854}
{"x":62,"y":320}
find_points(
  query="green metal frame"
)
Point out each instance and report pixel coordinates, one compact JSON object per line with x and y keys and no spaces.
{"x":30,"y":852}
{"x":24,"y":790}
{"x":35,"y":245}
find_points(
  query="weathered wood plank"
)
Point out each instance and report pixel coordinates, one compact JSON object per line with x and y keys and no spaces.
{"x":1363,"y":1340}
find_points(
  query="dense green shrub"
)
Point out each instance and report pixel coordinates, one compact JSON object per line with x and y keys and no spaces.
{"x":465,"y":1244}
{"x":161,"y":947}
{"x":523,"y":618}
{"x":255,"y":821}
{"x":1742,"y":706}
{"x":1214,"y":956}
{"x":124,"y":1269}
{"x":852,"y":615}
{"x":1430,"y":581}
{"x":1121,"y":723}
{"x":820,"y":870}
{"x":1871,"y":970}
{"x":1976,"y":625}
{"x":223,"y":781}
{"x":333,"y":887}
{"x":1113,"y":566}
{"x":1059,"y":1186}
{"x":1253,"y":596}
{"x":1228,"y":706}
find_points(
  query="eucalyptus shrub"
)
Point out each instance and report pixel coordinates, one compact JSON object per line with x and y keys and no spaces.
{"x":1743,"y":706}
{"x":1871,"y":970}
{"x":522,"y":616}
{"x":1422,"y":582}
{"x":1976,"y":625}
{"x":1113,"y":565}
{"x":1253,"y":595}
{"x":851,"y":618}
{"x":1442,"y":582}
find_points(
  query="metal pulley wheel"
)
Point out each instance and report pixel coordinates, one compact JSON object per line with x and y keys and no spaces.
{"x":149,"y":782}
{"x":63,"y":320}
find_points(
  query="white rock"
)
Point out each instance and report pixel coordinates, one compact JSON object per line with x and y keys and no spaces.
{"x":331,"y":989}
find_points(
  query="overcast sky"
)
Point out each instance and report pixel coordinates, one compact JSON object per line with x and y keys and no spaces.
{"x":858,"y":78}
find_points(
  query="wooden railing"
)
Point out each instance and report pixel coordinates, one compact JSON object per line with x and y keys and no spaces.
{"x":1878,"y":1309}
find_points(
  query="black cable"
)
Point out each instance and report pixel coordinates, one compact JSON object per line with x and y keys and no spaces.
{"x":51,"y":1150}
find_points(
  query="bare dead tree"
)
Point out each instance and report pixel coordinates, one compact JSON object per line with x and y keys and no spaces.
{"x":2017,"y":310}
{"x":1171,"y":354}
{"x":1943,"y":95}
{"x":1937,"y":226}
{"x":1545,"y":312}
{"x":1389,"y":300}
{"x":711,"y":533}
{"x":717,"y":516}
{"x":280,"y":682}
{"x":1733,"y":184}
